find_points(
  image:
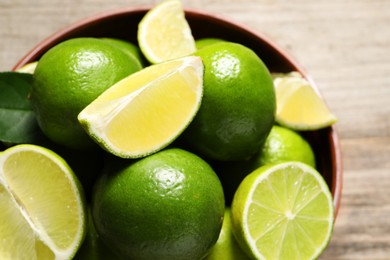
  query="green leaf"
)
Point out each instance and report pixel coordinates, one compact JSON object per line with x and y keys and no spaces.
{"x":17,"y":120}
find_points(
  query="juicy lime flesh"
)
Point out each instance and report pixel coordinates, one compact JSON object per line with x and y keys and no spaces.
{"x":289,"y":217}
{"x":19,"y":241}
{"x":158,"y":116}
{"x":47,"y":197}
{"x":28,"y":68}
{"x":41,"y":205}
{"x":147,"y":110}
{"x":164,"y":34}
{"x":295,"y":111}
{"x":138,"y":80}
{"x":283,"y":211}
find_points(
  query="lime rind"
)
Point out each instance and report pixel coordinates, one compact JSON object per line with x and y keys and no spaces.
{"x":286,"y":227}
{"x":44,"y":242}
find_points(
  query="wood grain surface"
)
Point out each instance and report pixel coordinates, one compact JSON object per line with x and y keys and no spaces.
{"x":345,"y":47}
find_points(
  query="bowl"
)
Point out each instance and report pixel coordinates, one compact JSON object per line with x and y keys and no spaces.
{"x":123,"y":23}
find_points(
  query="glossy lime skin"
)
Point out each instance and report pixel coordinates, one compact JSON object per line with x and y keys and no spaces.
{"x":281,"y":145}
{"x":227,"y":247}
{"x":68,"y":77}
{"x":129,"y":48}
{"x":169,"y":205}
{"x":238,"y":105}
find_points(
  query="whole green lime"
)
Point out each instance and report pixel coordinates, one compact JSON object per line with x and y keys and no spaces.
{"x":284,"y":144}
{"x":238,"y":105}
{"x":226,"y":247}
{"x":129,"y":48}
{"x":68,"y":77}
{"x":169,"y":205}
{"x":281,"y":145}
{"x":204,"y":42}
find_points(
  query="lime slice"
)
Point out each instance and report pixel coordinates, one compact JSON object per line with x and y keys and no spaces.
{"x":299,"y":107}
{"x":164,"y":33}
{"x":283,"y":211}
{"x":146,"y":111}
{"x":42,"y":212}
{"x":28,"y":68}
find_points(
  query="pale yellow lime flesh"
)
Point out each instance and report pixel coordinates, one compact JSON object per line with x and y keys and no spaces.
{"x":146,"y":111}
{"x":283,"y":211}
{"x":42,"y":205}
{"x":28,"y":68}
{"x":164,"y":33}
{"x":299,"y":106}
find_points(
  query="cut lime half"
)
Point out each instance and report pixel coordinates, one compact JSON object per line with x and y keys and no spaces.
{"x":283,"y":211}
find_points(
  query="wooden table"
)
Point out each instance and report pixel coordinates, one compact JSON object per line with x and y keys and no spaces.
{"x":345,"y":47}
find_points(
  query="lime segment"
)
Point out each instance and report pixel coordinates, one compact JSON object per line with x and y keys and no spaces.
{"x":164,"y":33}
{"x":299,"y":107}
{"x":42,"y":205}
{"x":283,"y":211}
{"x":147,"y":110}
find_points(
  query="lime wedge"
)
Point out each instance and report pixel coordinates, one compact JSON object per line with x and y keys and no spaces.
{"x":164,"y":33}
{"x":42,"y":212}
{"x":28,"y":68}
{"x":283,"y":211}
{"x":299,"y":107}
{"x":146,"y":111}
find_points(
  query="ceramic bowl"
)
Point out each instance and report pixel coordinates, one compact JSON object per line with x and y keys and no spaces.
{"x":123,"y":24}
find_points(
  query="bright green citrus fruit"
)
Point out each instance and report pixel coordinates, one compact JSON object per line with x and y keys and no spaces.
{"x":128,"y":47}
{"x":299,"y":106}
{"x":168,"y":205}
{"x":164,"y":33}
{"x":70,"y":76}
{"x":226,"y":247}
{"x":204,"y":42}
{"x":147,"y":110}
{"x":284,"y":144}
{"x":283,"y":211}
{"x":42,"y":214}
{"x":281,"y":145}
{"x":238,"y":105}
